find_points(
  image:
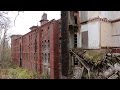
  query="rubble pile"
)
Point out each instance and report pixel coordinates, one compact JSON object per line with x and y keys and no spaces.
{"x":100,"y":65}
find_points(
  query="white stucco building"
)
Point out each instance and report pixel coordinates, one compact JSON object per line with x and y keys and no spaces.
{"x":99,"y":29}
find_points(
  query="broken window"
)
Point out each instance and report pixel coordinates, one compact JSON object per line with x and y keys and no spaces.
{"x":75,"y":40}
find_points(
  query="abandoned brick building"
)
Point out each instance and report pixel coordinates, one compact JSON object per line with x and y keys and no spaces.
{"x":39,"y":49}
{"x":46,"y":48}
{"x":90,"y":30}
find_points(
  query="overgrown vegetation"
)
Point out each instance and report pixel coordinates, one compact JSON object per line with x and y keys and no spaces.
{"x":17,"y":73}
{"x":101,"y":64}
{"x":95,"y":56}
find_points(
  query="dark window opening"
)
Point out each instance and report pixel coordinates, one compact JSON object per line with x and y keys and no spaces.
{"x":20,"y":56}
{"x":29,"y":37}
{"x":75,"y":40}
{"x":75,"y":17}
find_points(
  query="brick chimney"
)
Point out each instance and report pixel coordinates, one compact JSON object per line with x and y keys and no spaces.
{"x":44,"y":19}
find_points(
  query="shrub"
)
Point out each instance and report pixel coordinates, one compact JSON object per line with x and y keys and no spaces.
{"x":20,"y":73}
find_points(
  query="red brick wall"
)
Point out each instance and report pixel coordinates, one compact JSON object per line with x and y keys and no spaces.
{"x":45,"y":36}
{"x":50,"y":33}
{"x":115,"y":50}
{"x":15,"y":48}
{"x":54,"y":51}
{"x":39,"y":50}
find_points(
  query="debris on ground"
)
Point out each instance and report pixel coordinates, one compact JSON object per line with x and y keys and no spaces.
{"x":96,"y":64}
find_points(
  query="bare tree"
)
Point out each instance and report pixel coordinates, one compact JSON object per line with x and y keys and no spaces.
{"x":5,"y":24}
{"x":17,"y":16}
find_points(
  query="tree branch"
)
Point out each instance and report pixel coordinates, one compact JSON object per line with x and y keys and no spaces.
{"x":16,"y":18}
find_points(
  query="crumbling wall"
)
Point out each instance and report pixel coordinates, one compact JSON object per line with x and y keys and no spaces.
{"x":93,"y":14}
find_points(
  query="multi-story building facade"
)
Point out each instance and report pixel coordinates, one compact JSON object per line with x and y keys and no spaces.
{"x":39,"y":49}
{"x":99,"y":29}
{"x":91,"y":30}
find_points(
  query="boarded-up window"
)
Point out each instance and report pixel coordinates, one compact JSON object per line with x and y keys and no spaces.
{"x":85,"y":39}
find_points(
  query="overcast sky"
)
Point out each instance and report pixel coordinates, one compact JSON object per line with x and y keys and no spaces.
{"x":27,"y":19}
